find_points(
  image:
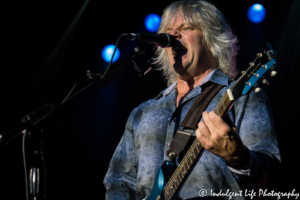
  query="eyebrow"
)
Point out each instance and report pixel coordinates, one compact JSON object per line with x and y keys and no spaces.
{"x":181,"y":25}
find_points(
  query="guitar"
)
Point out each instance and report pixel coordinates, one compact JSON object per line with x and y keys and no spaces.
{"x":169,"y":179}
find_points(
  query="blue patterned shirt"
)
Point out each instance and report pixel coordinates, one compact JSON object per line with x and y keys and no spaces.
{"x":149,"y":130}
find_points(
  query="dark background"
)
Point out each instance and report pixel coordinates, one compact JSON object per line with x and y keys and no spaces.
{"x":42,"y":59}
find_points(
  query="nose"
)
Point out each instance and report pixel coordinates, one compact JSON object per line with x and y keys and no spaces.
{"x":175,"y":33}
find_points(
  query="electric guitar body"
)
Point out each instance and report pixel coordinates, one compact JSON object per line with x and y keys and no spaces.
{"x":163,"y":175}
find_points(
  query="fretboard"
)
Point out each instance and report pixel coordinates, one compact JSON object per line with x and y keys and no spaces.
{"x":193,"y":152}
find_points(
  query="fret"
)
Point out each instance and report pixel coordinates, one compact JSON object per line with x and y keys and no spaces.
{"x":173,"y":190}
{"x":179,"y":177}
{"x":173,"y":183}
{"x":182,"y":174}
{"x":195,"y":152}
{"x":218,"y":109}
{"x":168,"y":191}
{"x":177,"y":180}
{"x":191,"y":160}
{"x":193,"y":155}
{"x":197,"y":149}
{"x":224,"y":105}
{"x":167,"y":197}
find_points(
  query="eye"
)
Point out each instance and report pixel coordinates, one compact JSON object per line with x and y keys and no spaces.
{"x":168,"y":30}
{"x":186,"y":28}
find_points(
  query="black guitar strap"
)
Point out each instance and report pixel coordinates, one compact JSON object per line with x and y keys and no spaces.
{"x":192,"y":118}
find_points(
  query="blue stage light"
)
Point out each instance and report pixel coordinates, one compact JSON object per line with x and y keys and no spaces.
{"x":108,"y":51}
{"x":152,"y":22}
{"x":256,"y":13}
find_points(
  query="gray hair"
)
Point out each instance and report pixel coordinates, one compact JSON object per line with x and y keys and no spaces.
{"x":217,"y":34}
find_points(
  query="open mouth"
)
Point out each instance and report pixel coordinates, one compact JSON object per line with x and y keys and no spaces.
{"x":179,"y":51}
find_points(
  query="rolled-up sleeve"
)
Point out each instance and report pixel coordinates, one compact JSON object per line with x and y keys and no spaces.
{"x":255,"y":124}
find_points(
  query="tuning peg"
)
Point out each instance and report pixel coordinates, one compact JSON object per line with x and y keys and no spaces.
{"x":265,"y":81}
{"x":264,"y":66}
{"x":257,"y":90}
{"x":256,"y":74}
{"x":243,"y":72}
{"x":273,"y":73}
{"x":259,"y":55}
{"x":251,"y":64}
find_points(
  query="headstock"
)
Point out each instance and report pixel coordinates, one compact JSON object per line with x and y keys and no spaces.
{"x":256,"y":73}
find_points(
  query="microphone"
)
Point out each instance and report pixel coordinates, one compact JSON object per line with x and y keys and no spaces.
{"x":162,"y":39}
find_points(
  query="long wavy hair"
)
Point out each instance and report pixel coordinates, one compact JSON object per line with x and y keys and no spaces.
{"x":217,"y":34}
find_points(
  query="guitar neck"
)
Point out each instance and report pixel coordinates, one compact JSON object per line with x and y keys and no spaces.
{"x":193,"y":152}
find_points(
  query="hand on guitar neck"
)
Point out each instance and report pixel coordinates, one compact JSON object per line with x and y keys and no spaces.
{"x":219,"y":138}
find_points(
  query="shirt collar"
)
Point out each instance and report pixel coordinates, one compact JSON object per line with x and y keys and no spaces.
{"x":216,"y":76}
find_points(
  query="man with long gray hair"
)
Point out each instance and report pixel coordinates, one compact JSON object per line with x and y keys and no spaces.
{"x":241,"y":153}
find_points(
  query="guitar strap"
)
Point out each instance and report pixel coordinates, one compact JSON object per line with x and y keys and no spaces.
{"x":192,"y":118}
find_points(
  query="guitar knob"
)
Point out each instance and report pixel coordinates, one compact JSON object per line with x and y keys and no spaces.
{"x":273,"y":73}
{"x":172,"y":155}
{"x":257,"y":90}
{"x":265,"y":81}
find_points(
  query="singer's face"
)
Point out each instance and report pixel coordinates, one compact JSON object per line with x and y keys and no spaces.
{"x":189,"y":57}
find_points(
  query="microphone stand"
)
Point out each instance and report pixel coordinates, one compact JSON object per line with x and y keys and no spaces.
{"x":27,"y":125}
{"x":37,"y":172}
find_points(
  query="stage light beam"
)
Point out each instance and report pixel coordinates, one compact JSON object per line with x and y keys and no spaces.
{"x":256,"y":13}
{"x":152,"y":22}
{"x":108,"y":51}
